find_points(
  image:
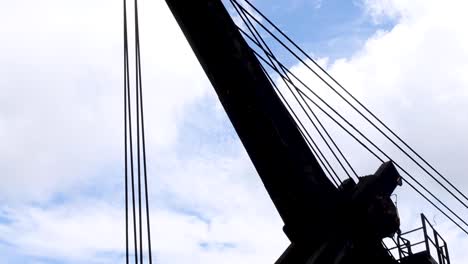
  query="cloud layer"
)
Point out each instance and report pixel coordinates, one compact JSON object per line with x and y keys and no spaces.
{"x":61,"y":118}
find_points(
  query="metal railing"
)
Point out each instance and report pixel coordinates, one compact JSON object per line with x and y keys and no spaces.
{"x":434,"y":244}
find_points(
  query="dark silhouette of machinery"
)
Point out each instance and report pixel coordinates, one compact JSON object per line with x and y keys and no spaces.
{"x":325,"y":224}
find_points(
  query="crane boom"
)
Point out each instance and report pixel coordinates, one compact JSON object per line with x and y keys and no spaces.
{"x":325,"y":224}
{"x":291,"y":174}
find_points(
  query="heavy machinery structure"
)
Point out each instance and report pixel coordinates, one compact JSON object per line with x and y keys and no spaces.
{"x":325,"y":224}
{"x":327,"y":220}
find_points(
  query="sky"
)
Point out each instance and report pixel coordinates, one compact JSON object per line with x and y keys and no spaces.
{"x":61,"y":125}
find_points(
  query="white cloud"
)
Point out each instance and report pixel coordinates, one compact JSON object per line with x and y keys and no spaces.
{"x":61,"y":82}
{"x":413,"y":77}
{"x":76,"y":232}
{"x":240,"y":222}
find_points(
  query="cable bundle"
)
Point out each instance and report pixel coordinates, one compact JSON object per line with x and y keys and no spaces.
{"x":130,"y":169}
{"x":255,"y":26}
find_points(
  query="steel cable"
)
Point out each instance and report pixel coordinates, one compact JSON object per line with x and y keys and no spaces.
{"x":348,"y":102}
{"x":259,"y":41}
{"x":367,"y":148}
{"x":141,"y":167}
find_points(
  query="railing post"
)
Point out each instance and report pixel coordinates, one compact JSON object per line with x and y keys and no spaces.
{"x":446,"y":253}
{"x":408,"y":246}
{"x":438,"y":248}
{"x":399,"y":247}
{"x":423,"y":219}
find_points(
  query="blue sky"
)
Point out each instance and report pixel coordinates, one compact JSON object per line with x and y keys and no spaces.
{"x":330,"y":29}
{"x":61,"y":198}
